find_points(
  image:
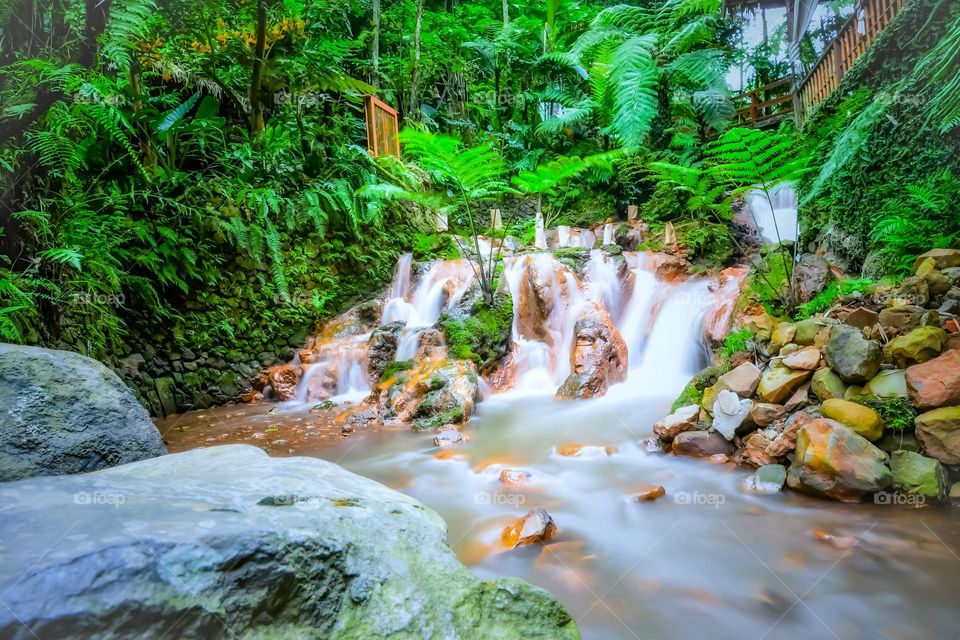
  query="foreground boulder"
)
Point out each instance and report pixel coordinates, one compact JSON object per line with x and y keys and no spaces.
{"x":938,"y":433}
{"x":935,"y":383}
{"x":227,"y":542}
{"x":863,"y":420}
{"x":914,"y":473}
{"x":851,"y":356}
{"x":65,"y":413}
{"x":598,"y":358}
{"x":831,"y":460}
{"x":432,"y":393}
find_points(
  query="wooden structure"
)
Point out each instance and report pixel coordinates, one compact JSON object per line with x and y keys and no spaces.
{"x":869,"y":18}
{"x":772,"y":103}
{"x":383,"y":132}
{"x":766,"y":106}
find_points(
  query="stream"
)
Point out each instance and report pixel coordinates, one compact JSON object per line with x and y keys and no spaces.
{"x":708,"y":558}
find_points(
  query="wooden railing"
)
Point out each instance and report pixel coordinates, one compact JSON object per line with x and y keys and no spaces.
{"x":856,"y":35}
{"x":767,"y":105}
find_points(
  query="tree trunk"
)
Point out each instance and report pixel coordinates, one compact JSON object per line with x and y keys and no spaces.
{"x":256,"y":77}
{"x":414,"y":105}
{"x":506,"y":13}
{"x":375,"y":47}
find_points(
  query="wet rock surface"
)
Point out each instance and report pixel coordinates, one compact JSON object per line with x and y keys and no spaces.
{"x":65,"y":413}
{"x":249,"y":546}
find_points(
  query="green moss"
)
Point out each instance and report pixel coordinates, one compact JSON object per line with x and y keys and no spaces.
{"x":451,"y":416}
{"x":897,"y":413}
{"x":395,"y":367}
{"x":690,"y":395}
{"x":484,"y":335}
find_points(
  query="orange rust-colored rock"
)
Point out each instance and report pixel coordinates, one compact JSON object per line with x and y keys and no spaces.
{"x":935,"y":383}
{"x":573,"y":449}
{"x":284,"y":380}
{"x":515,"y":476}
{"x":598,"y":358}
{"x":536,"y":526}
{"x":647,"y":493}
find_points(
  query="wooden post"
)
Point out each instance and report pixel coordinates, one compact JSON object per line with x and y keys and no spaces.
{"x":632,"y":211}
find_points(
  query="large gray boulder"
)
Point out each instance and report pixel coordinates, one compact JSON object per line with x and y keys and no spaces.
{"x":227,"y":542}
{"x":62,"y":412}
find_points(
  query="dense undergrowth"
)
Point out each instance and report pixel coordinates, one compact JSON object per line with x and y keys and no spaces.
{"x":187,"y":188}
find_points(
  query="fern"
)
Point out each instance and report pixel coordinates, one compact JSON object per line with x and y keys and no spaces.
{"x":940,"y":68}
{"x":635,"y":75}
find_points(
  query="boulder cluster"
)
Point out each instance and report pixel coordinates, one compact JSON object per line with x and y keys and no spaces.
{"x":858,"y":402}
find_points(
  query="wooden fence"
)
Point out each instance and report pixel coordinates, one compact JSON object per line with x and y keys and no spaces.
{"x":869,"y":18}
{"x":767,"y":105}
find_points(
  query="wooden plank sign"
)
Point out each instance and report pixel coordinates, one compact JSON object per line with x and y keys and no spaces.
{"x":383,"y":133}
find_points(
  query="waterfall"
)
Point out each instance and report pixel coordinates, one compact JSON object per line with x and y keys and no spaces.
{"x":663,"y":324}
{"x":782,"y":217}
{"x":338,"y":370}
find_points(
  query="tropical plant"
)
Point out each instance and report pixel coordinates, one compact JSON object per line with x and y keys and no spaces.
{"x":753,"y":160}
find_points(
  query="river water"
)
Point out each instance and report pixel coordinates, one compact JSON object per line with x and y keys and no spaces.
{"x":706,"y":560}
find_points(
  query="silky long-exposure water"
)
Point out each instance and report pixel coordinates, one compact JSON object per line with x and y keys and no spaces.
{"x":709,"y":558}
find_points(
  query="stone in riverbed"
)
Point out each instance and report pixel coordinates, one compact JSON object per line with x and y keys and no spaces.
{"x":811,"y":274}
{"x":435,"y":392}
{"x":806,"y":359}
{"x":901,"y":319}
{"x":448,"y":437}
{"x":284,"y":380}
{"x":764,"y":413}
{"x":831,"y":460}
{"x":863,"y":420}
{"x":851,"y":356}
{"x":914,"y":473}
{"x":65,"y":413}
{"x":943,"y":258}
{"x":862,"y":318}
{"x":647,"y":493}
{"x":701,"y":444}
{"x":598,"y":358}
{"x":767,"y":479}
{"x":935,"y":383}
{"x":742,"y":380}
{"x":887,"y":384}
{"x":920,"y":345}
{"x":779,"y":383}
{"x":826,"y":384}
{"x":729,"y":412}
{"x":782,"y":336}
{"x":536,"y":526}
{"x":681,"y":420}
{"x":515,"y":476}
{"x":226,"y":541}
{"x":938,"y":433}
{"x":382,"y":349}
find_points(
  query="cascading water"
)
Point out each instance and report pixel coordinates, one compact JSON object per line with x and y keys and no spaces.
{"x":662,"y":324}
{"x":781,"y":220}
{"x":338,"y":367}
{"x":623,"y":569}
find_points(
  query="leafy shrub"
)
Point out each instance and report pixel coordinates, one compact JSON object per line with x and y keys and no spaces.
{"x":736,"y":342}
{"x":829,"y":296}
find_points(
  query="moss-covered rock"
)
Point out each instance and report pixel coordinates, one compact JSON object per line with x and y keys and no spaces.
{"x":483,"y":336}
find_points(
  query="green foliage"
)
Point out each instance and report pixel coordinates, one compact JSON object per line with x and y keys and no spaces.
{"x":941,"y":69}
{"x":833,"y":292}
{"x":433,"y":246}
{"x":484,"y":335}
{"x":925,"y":216}
{"x":736,"y":342}
{"x":897,"y":413}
